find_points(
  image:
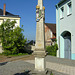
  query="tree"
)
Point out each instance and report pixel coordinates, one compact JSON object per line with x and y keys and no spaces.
{"x":31,"y":42}
{"x":12,"y":38}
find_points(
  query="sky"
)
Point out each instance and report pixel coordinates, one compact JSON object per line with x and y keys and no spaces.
{"x":26,"y":9}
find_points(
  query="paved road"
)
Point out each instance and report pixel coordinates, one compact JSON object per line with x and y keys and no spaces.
{"x":60,"y":61}
{"x":19,"y":66}
{"x":15,"y":67}
{"x":60,"y":65}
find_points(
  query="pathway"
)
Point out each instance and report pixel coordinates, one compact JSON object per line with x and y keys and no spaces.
{"x":19,"y":65}
{"x":61,"y":65}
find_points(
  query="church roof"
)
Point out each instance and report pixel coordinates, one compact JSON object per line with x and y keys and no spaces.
{"x":61,"y":1}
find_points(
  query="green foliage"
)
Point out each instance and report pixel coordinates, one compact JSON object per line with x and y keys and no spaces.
{"x":7,"y":52}
{"x":31,"y":42}
{"x":52,"y":50}
{"x":0,"y":53}
{"x":51,"y":74}
{"x":12,"y":38}
{"x":22,"y":54}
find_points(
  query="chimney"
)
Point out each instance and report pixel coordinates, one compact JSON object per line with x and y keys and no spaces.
{"x":4,"y":10}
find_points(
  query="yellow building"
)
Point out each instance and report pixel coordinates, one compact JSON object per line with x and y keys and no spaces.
{"x":4,"y":15}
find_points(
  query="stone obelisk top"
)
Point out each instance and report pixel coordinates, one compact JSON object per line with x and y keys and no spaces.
{"x":40,"y":32}
{"x":40,"y":3}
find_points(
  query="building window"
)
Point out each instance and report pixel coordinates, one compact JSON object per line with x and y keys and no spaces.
{"x":69,"y":8}
{"x":61,"y":12}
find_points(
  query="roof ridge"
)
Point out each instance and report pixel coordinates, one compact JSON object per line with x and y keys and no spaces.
{"x":7,"y":13}
{"x":61,"y":1}
{"x":50,"y":23}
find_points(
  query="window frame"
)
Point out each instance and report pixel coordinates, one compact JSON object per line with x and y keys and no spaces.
{"x":62,"y":12}
{"x":69,"y":9}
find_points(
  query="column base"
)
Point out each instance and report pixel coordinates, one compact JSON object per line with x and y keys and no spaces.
{"x":46,"y":72}
{"x":40,"y":64}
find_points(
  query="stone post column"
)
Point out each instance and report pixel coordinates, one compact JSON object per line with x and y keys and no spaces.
{"x":39,"y":51}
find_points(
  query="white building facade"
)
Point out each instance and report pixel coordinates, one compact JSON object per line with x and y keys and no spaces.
{"x":4,"y":15}
{"x":65,"y":29}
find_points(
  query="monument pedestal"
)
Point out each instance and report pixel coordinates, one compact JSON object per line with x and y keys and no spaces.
{"x":40,"y":60}
{"x":45,"y":72}
{"x":38,"y":73}
{"x":39,"y":64}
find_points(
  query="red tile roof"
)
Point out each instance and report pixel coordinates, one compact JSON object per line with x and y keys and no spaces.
{"x":51,"y":26}
{"x":53,"y":38}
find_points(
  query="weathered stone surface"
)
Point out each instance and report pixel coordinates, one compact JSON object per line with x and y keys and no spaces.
{"x":39,"y":51}
{"x":40,"y":64}
{"x":40,"y":30}
{"x":40,"y":73}
{"x":46,"y":72}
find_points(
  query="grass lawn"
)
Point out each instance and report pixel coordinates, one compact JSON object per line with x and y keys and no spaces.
{"x":51,"y":74}
{"x":19,"y":54}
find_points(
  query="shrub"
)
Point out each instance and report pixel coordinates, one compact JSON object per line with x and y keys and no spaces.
{"x":12,"y":39}
{"x":7,"y":52}
{"x":52,"y":50}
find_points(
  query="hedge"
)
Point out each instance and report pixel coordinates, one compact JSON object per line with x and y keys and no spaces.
{"x":52,"y":50}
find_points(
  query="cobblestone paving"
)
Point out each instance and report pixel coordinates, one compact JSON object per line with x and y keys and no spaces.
{"x":60,"y":61}
{"x":60,"y":65}
{"x":61,"y":68}
{"x":15,"y":67}
{"x":19,"y":66}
